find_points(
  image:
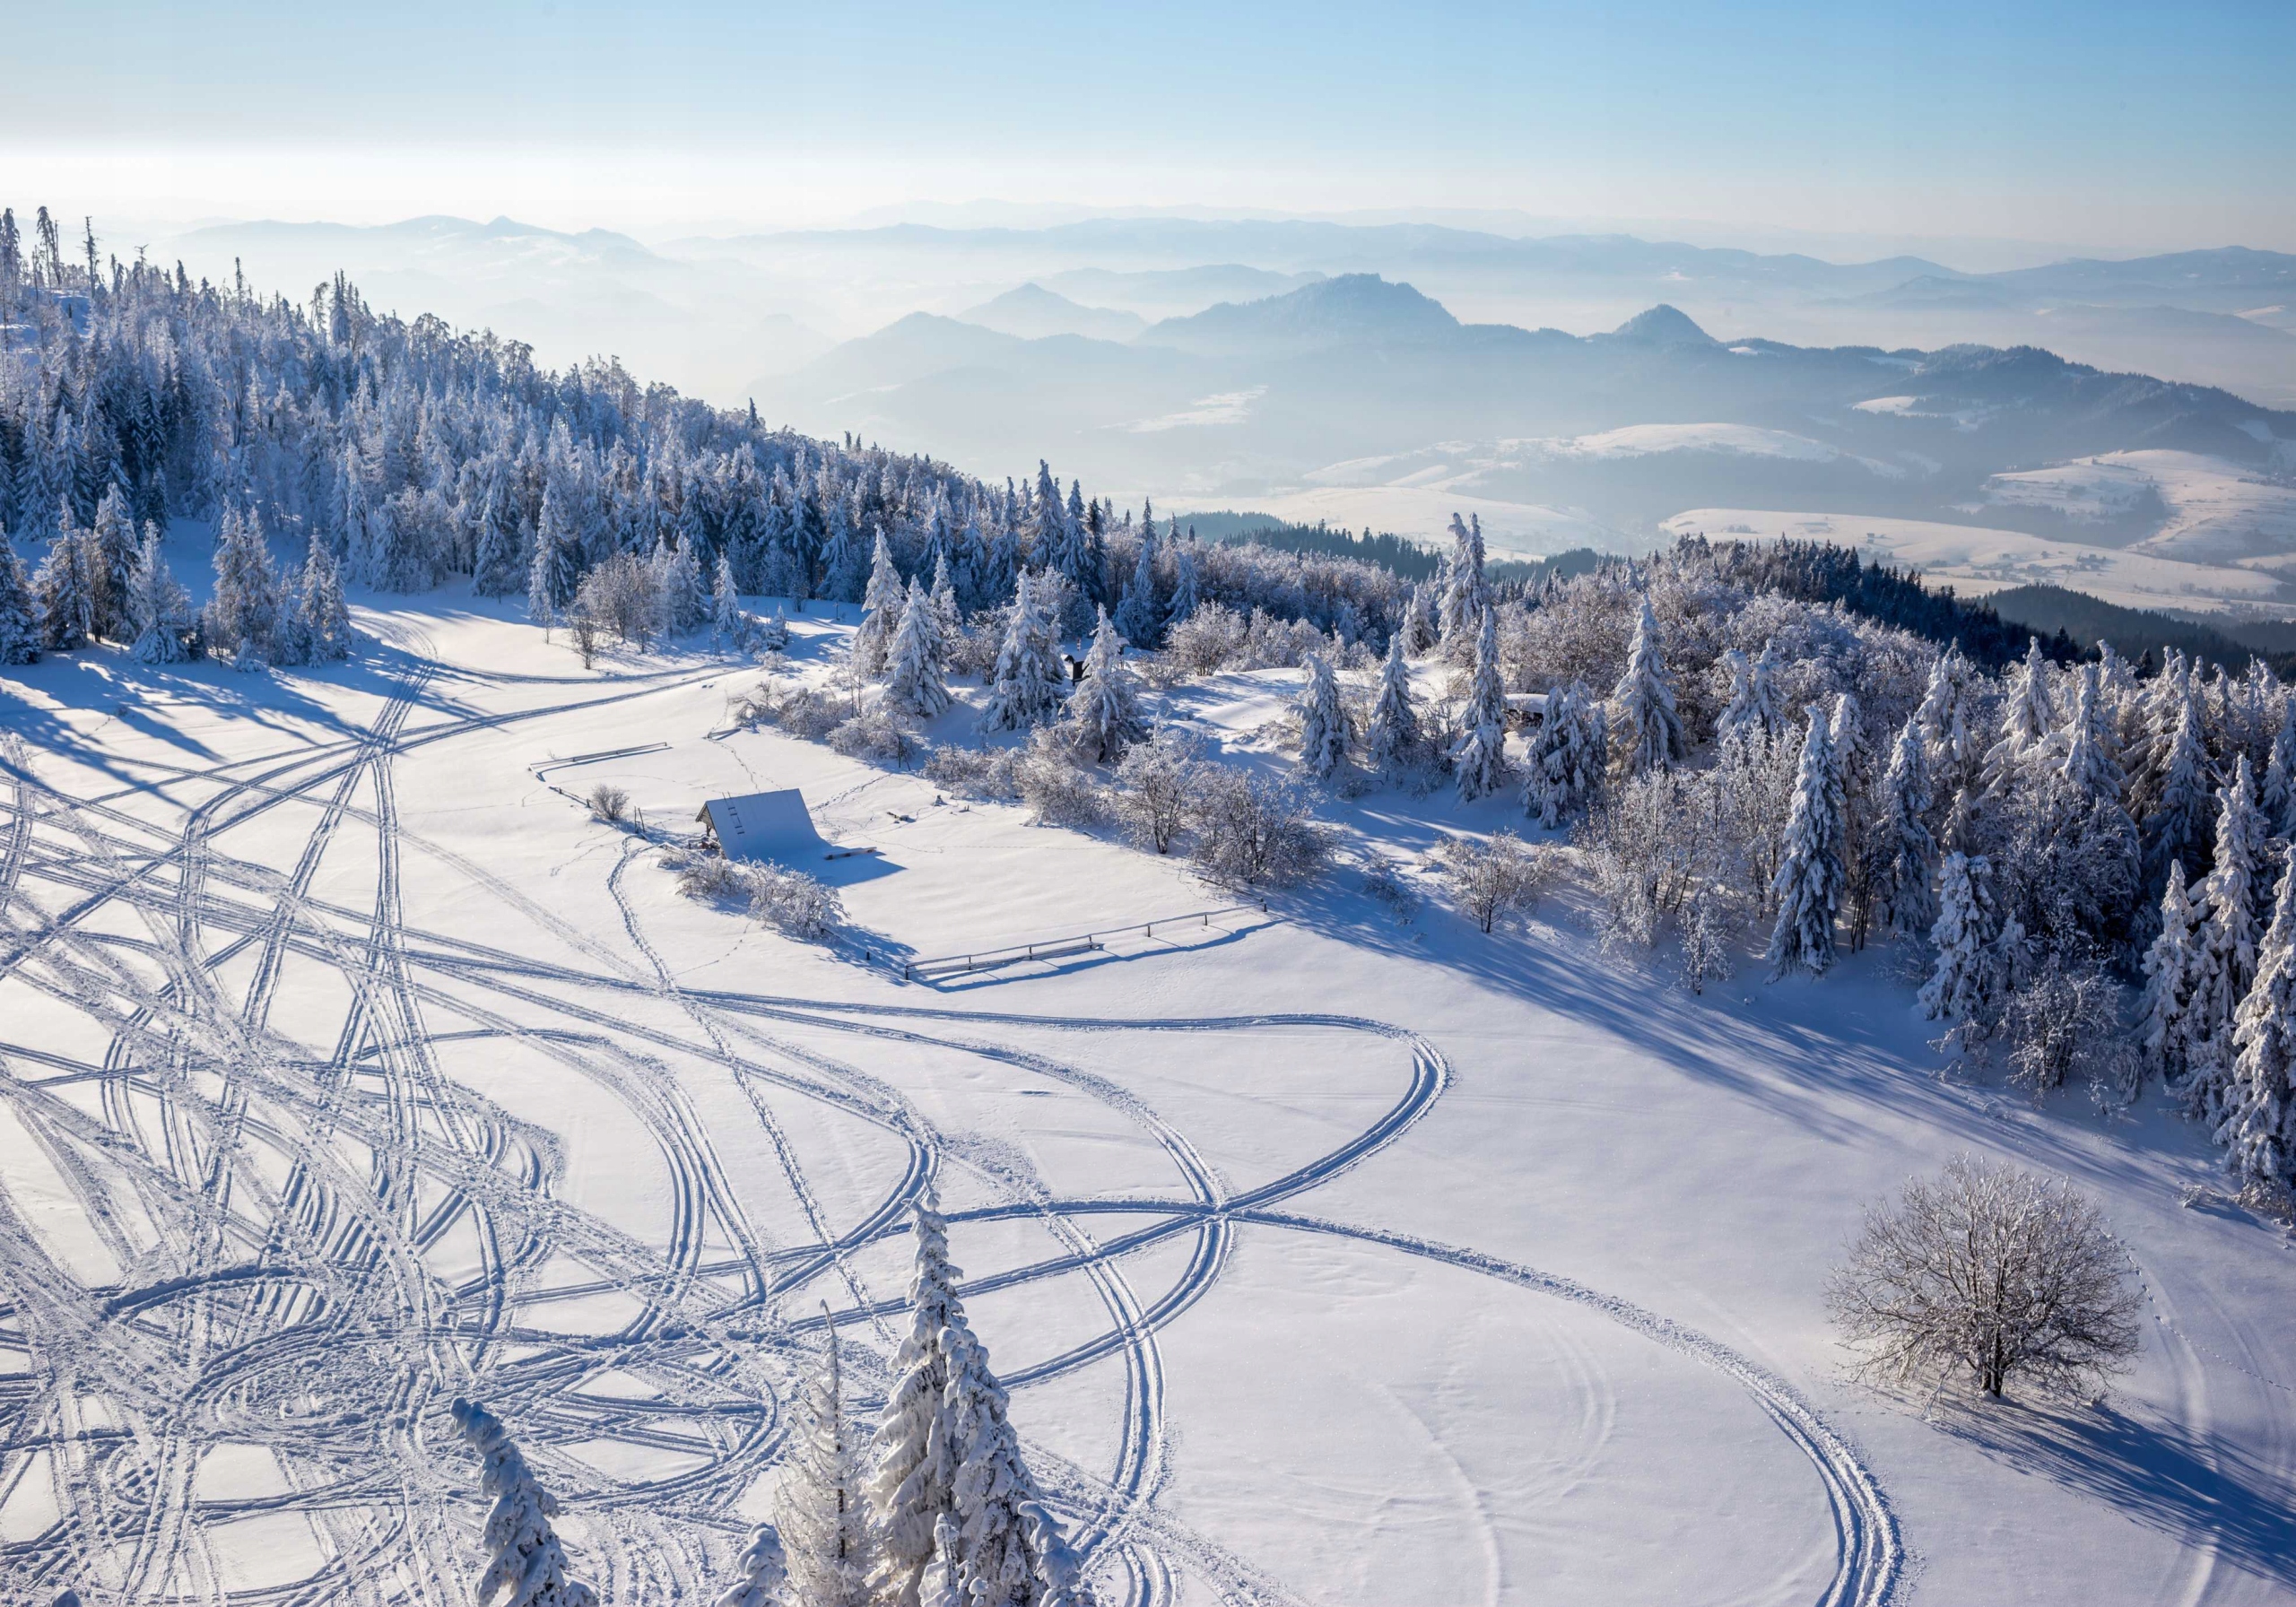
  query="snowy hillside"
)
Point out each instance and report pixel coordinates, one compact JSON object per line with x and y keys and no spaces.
{"x":1389,"y":1074}
{"x":353,"y":1066}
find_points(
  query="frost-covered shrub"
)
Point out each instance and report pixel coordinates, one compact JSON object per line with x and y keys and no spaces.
{"x":1645,"y":851}
{"x":1708,"y":937}
{"x":811,"y":714}
{"x":1251,"y":831}
{"x":1156,"y":781}
{"x":609,"y":805}
{"x":1058,"y":790}
{"x":1383,"y":881}
{"x":1206,"y":642}
{"x":1270,"y":643}
{"x":791,"y":902}
{"x":971,"y":647}
{"x":623,"y":594}
{"x":974,"y":772}
{"x":877,"y":735}
{"x":705,"y":875}
{"x":2063,"y":1023}
{"x":1491,"y":879}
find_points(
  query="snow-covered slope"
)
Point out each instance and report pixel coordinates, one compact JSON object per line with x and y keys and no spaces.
{"x":346,"y":1066}
{"x":2215,"y":511}
{"x":1976,"y":559}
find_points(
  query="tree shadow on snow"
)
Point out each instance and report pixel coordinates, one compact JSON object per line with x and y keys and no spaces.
{"x":2196,"y":1491}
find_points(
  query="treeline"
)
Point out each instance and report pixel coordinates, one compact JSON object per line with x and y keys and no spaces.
{"x":1825,"y":572}
{"x":412,"y":455}
{"x":2091,"y":620}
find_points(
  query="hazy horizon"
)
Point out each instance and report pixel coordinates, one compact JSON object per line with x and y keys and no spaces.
{"x":2116,"y":128}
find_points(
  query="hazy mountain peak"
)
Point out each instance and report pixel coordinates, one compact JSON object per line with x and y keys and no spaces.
{"x":1662,"y":326}
{"x":1032,"y":312}
{"x":1354,"y":308}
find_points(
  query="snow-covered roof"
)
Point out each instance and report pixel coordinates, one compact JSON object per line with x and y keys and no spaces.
{"x":776,"y":826}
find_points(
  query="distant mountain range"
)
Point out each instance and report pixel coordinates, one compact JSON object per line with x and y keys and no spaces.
{"x":1359,"y":381}
{"x":1572,"y":389}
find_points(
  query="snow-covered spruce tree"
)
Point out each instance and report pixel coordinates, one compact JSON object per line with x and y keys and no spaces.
{"x":20,"y":621}
{"x":1026,"y":686}
{"x":323,"y":618}
{"x":725,"y":621}
{"x":1136,"y":616}
{"x":880,"y":611}
{"x":912,"y":1486}
{"x":1961,"y":986}
{"x":2278,"y":795}
{"x":1187,"y":587}
{"x":1105,"y":709}
{"x":1465,"y":597}
{"x":1392,"y":734}
{"x":763,"y":1568}
{"x":1955,"y":753}
{"x":2165,"y":1035}
{"x":66,"y":592}
{"x":524,"y":1557}
{"x":1323,"y":722}
{"x":822,"y":1507}
{"x":2028,"y":716}
{"x":542,"y":599}
{"x":915,"y":681}
{"x":2089,"y":766}
{"x":1479,"y":757}
{"x":1568,"y":759}
{"x":1420,"y":628}
{"x":1647,"y":733}
{"x":116,"y":551}
{"x":1854,"y":783}
{"x":244,"y":612}
{"x":2258,"y":1128}
{"x":1908,"y":847}
{"x":158,"y":612}
{"x":1810,"y":874}
{"x":945,"y":607}
{"x":2177,"y":827}
{"x":499,"y":559}
{"x":677,"y":588}
{"x":1737,"y":715}
{"x":1003,"y":1549}
{"x":1755,"y":708}
{"x":2227,"y":941}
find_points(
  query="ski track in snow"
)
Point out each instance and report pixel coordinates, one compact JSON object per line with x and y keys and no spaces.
{"x":285,"y":1219}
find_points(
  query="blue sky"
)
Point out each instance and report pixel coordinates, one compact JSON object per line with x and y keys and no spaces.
{"x":2114,"y":123}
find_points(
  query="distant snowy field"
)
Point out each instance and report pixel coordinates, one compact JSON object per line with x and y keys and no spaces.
{"x":348,"y":1067}
{"x":1976,"y":560}
{"x":2218,"y":511}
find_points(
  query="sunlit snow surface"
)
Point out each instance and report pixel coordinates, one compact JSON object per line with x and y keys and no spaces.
{"x":349,"y":1068}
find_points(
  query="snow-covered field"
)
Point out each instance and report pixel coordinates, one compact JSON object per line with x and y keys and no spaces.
{"x":1976,"y":560}
{"x":346,"y":1067}
{"x":2218,"y":512}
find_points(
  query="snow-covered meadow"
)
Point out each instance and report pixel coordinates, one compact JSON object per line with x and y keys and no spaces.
{"x":351,"y":1066}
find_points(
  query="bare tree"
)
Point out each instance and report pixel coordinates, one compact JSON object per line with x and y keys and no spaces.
{"x":1489,"y":880}
{"x":609,"y":805}
{"x":1252,"y":831}
{"x":2065,"y":1023}
{"x":1158,"y":778}
{"x":584,"y":625}
{"x":1999,"y":1271}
